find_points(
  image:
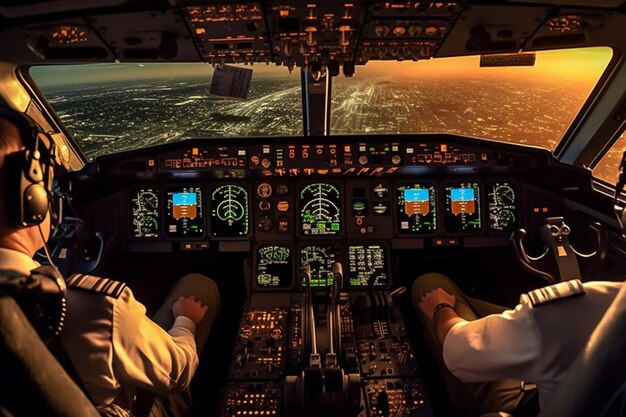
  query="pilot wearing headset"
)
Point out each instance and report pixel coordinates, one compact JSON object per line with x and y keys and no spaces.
{"x":487,"y":351}
{"x":114,"y":347}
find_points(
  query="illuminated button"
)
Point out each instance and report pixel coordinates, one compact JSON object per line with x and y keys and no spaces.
{"x":283,"y":225}
{"x":381,"y":190}
{"x":265,"y":223}
{"x":282,"y":206}
{"x":264,"y":190}
{"x":444,"y":147}
{"x":363,"y":159}
{"x":265,"y":205}
{"x":282,"y":189}
{"x":381,"y":208}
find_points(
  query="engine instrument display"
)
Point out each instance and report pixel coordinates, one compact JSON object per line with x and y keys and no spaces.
{"x":463,"y":207}
{"x":321,"y":259}
{"x":273,"y":268}
{"x":417,"y":208}
{"x":502,"y":206}
{"x":184,"y":212}
{"x":145,"y":213}
{"x":229,"y":211}
{"x":367,"y":265}
{"x":320,"y":209}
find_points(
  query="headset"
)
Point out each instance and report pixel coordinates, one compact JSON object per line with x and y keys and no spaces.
{"x":29,"y":173}
{"x":28,"y":177}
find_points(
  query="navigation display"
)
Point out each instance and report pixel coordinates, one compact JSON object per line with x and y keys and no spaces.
{"x":273,"y":268}
{"x":417,"y":208}
{"x":229,"y":211}
{"x":321,"y":259}
{"x":184,"y":212}
{"x":145,"y":216}
{"x":320,"y":209}
{"x":463,"y":207}
{"x":367,"y":265}
{"x":502,"y":206}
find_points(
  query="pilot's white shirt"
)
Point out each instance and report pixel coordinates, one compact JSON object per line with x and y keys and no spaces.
{"x":114,"y":346}
{"x":533,"y":343}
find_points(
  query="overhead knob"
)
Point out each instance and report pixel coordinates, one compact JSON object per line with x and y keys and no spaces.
{"x":363,"y":159}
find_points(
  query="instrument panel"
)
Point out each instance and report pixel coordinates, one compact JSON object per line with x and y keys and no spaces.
{"x":278,"y":267}
{"x":287,"y":210}
{"x":293,"y":205}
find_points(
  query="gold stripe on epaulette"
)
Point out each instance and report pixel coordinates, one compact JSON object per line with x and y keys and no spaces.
{"x":556,"y":292}
{"x":98,"y":285}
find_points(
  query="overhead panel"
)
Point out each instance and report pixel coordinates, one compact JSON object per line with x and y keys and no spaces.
{"x":318,"y":35}
{"x":229,"y":33}
{"x":67,"y":39}
{"x":486,"y":29}
{"x":146,"y":36}
{"x":567,"y":28}
{"x":408,"y":30}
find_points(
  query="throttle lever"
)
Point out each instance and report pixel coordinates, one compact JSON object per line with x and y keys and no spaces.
{"x":563,"y":265}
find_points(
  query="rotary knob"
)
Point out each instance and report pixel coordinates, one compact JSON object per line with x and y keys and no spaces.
{"x":265,"y":223}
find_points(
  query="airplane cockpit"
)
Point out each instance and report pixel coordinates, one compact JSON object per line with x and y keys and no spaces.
{"x":314,"y":158}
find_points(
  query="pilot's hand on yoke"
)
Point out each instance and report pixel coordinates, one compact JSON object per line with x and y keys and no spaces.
{"x":433,"y":299}
{"x":189,"y":307}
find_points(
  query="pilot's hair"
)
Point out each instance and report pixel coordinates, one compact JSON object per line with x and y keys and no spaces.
{"x":10,"y":138}
{"x":10,"y":141}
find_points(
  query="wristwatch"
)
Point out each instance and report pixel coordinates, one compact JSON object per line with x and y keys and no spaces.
{"x":440,"y":307}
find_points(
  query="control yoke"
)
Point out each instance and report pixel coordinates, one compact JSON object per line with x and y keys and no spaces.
{"x":559,"y":261}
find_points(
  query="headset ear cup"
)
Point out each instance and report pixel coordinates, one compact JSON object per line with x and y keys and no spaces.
{"x":35,"y":204}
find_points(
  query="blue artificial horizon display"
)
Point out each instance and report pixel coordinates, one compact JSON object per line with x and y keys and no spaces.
{"x":413,"y":194}
{"x":184,"y":199}
{"x":462,"y":194}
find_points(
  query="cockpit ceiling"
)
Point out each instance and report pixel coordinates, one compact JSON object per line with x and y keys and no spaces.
{"x":332,"y":35}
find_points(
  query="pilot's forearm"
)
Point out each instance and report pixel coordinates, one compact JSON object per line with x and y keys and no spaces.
{"x":443,"y":322}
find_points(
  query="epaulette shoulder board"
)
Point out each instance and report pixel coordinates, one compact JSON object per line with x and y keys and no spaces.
{"x":97,"y":285}
{"x":556,"y":292}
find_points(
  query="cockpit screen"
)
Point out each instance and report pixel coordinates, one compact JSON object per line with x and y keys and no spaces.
{"x":145,"y":213}
{"x":463,"y":207}
{"x":320,"y":209}
{"x":273,"y":268}
{"x":321,"y":259}
{"x":367,"y":265}
{"x":417,"y":209}
{"x":229,"y":211}
{"x":184,"y":212}
{"x":502,"y":206}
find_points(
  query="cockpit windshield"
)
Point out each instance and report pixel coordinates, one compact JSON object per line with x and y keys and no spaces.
{"x":110,"y":108}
